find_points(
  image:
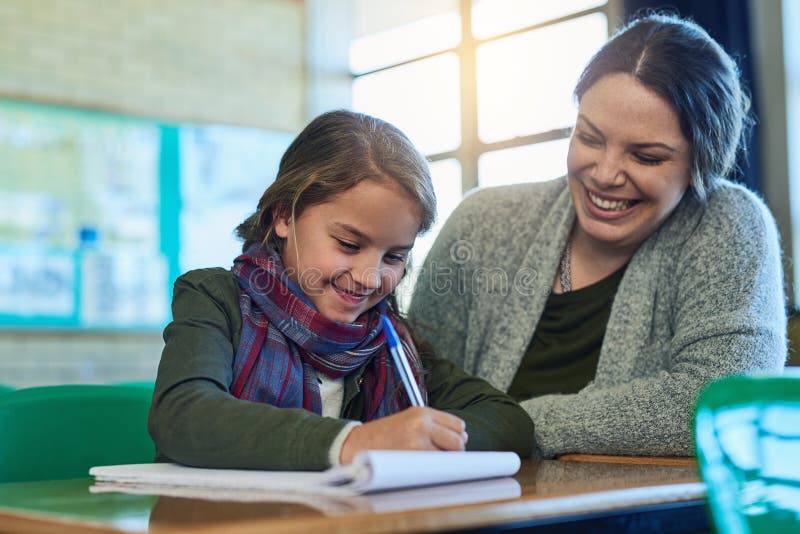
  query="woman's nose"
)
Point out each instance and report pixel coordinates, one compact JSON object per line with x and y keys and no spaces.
{"x":609,"y":170}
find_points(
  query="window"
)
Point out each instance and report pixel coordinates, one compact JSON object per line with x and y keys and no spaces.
{"x":483,"y":87}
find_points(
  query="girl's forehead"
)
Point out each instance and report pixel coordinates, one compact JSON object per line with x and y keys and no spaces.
{"x":377,"y":211}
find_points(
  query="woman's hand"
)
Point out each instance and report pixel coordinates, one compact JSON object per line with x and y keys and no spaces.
{"x":415,"y":429}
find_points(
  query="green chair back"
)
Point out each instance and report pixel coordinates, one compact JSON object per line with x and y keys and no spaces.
{"x":59,"y":432}
{"x":5,"y":389}
{"x":138,"y":383}
{"x":747,"y":432}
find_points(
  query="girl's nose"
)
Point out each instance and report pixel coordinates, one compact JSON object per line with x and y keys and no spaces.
{"x":367,"y":275}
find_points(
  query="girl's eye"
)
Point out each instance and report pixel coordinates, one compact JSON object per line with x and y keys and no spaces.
{"x":350,"y":247}
{"x":647,"y":160}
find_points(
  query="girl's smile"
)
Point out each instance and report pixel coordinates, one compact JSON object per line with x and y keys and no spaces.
{"x":352,"y":297}
{"x":349,"y":253}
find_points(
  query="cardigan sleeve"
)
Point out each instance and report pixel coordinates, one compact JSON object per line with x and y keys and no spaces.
{"x":195,"y":420}
{"x":727,"y":317}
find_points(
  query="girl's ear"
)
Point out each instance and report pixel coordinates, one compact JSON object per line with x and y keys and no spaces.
{"x":280,"y":221}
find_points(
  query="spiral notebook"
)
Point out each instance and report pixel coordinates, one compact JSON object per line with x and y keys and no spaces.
{"x":371,"y":471}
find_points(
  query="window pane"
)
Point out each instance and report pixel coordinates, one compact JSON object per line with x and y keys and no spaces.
{"x":388,"y":32}
{"x":420,"y":98}
{"x":494,"y":17}
{"x":529,"y":163}
{"x":446,"y":175}
{"x":525,"y":88}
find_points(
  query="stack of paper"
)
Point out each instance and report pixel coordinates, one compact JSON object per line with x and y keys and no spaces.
{"x":371,"y":471}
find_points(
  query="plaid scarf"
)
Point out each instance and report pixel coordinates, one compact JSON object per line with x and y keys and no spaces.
{"x":284,"y":340}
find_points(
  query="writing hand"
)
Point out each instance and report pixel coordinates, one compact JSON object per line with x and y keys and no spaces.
{"x":416,"y":429}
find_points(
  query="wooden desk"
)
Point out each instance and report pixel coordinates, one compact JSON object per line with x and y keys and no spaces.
{"x":543,"y":496}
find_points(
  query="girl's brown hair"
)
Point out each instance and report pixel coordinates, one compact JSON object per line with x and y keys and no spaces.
{"x":335,"y":152}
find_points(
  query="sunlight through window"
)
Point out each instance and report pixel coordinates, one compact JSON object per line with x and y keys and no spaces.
{"x":523,"y":88}
{"x":419,"y":38}
{"x":527,"y":163}
{"x":420,"y":98}
{"x":387,"y":32}
{"x":495,"y":17}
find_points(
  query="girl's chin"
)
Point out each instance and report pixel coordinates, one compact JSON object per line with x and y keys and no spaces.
{"x":341,"y":317}
{"x":348,"y":315}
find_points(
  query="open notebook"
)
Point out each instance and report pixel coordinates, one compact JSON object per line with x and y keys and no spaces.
{"x":371,"y":471}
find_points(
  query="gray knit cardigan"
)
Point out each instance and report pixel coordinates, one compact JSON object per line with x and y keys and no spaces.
{"x":701,"y":298}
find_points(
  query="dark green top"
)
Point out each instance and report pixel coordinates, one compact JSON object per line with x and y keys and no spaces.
{"x":195,"y":420}
{"x":562,"y":355}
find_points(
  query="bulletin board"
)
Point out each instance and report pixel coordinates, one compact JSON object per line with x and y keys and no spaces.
{"x":100,"y":212}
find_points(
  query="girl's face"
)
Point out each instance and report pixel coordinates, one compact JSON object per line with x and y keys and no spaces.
{"x":628,"y":164}
{"x":350,"y":252}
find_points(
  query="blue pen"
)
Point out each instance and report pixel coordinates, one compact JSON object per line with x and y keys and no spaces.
{"x":401,"y":363}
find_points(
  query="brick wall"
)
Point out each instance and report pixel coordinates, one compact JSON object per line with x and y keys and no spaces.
{"x":231,"y":61}
{"x":219,"y":61}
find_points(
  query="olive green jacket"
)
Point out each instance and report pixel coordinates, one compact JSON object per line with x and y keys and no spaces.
{"x":195,"y":420}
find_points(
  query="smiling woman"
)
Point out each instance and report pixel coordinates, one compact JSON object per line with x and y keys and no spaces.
{"x":635,"y":280}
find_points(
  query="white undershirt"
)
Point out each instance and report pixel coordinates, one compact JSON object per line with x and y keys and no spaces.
{"x":331,"y":390}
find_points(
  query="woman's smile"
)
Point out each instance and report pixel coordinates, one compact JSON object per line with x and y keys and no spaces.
{"x":608,"y":208}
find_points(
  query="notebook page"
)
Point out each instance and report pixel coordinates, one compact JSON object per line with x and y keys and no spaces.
{"x":382,"y":470}
{"x":370,"y":471}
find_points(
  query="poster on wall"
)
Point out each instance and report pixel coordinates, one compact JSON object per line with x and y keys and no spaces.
{"x":99,"y":212}
{"x":37,"y":283}
{"x":224,"y":172}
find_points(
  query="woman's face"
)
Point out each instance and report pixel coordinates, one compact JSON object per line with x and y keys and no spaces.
{"x":628,"y":164}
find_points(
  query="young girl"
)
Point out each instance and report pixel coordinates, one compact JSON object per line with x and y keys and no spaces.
{"x":281,"y":362}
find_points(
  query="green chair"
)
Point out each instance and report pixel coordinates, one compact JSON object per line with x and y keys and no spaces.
{"x":59,"y":432}
{"x":747,"y":432}
{"x":138,"y":383}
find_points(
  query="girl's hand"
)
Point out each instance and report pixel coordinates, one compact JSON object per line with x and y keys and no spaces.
{"x":415,"y":429}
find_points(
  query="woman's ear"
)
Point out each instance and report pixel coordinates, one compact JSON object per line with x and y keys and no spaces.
{"x":280,"y":221}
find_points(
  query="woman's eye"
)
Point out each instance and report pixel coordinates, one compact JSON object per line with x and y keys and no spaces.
{"x":395,"y":258}
{"x":347,"y":245}
{"x":648,"y":160}
{"x":588,"y":139}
